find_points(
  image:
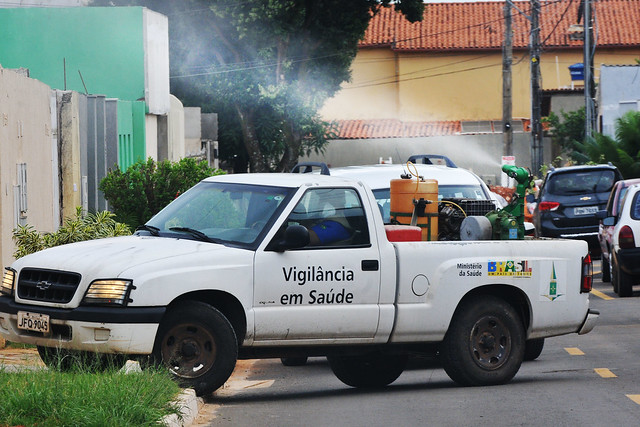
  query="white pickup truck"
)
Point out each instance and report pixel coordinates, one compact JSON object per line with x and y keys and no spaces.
{"x":276,"y":265}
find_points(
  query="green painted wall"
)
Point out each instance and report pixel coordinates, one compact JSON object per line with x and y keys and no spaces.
{"x":104,"y":44}
{"x":131,"y":133}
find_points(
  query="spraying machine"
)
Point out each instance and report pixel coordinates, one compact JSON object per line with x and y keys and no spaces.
{"x":506,"y":223}
{"x":416,"y":198}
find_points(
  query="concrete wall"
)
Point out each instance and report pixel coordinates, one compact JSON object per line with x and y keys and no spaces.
{"x":431,"y":86}
{"x":68,"y":105}
{"x":175,"y":130}
{"x":192,"y":130}
{"x":480,"y":153}
{"x":156,"y":61}
{"x":26,"y":137}
{"x":619,"y":92}
{"x":120,"y":52}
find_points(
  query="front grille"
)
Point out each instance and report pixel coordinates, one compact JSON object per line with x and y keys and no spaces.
{"x":47,"y":285}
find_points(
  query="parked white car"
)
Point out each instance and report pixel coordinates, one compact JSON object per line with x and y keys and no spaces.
{"x":623,"y":233}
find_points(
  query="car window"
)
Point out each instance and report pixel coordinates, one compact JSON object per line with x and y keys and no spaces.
{"x":635,"y":208}
{"x":595,"y":181}
{"x":623,"y":191}
{"x":333,"y":216}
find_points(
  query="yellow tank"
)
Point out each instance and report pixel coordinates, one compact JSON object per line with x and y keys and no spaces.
{"x":404,"y":192}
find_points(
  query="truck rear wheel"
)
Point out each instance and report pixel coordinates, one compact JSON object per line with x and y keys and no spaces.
{"x":368,"y":371}
{"x":484,"y":344}
{"x":63,"y":360}
{"x":294,"y":361}
{"x":198,"y":345}
{"x":533,"y":349}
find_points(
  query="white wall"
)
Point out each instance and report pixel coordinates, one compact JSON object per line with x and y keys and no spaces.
{"x":26,"y":136}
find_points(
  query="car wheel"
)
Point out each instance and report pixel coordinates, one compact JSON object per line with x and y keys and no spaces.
{"x":484,"y":344}
{"x":533,"y":349}
{"x":62,"y":360}
{"x":293,"y":361}
{"x":606,"y":268}
{"x":198,"y":345}
{"x":622,"y":282}
{"x":368,"y":371}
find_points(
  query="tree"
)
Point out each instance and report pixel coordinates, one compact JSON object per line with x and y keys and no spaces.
{"x":146,"y":187}
{"x":266,"y":66}
{"x":568,"y":130}
{"x":623,"y":151}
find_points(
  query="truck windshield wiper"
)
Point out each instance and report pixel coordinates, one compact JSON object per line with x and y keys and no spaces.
{"x":196,"y":233}
{"x":150,"y":228}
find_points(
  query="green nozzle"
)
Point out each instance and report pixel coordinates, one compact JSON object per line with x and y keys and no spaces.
{"x":521,"y":175}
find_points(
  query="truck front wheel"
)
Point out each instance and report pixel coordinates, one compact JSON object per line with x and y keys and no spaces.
{"x":198,"y":345}
{"x":484,"y":344}
{"x":368,"y":371}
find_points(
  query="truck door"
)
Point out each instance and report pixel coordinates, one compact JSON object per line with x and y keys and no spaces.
{"x":328,"y":289}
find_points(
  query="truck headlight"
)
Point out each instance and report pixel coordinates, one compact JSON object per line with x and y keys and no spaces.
{"x":8,"y":282}
{"x":108,"y":292}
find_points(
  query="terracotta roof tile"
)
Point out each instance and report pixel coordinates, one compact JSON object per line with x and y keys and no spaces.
{"x":479,"y":26}
{"x":389,"y":128}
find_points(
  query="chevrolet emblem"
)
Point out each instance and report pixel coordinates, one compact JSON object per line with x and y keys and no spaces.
{"x":585,"y":198}
{"x":43,"y":285}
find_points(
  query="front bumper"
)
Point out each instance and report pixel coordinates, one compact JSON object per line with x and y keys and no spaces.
{"x":589,"y":322}
{"x":126,"y":330}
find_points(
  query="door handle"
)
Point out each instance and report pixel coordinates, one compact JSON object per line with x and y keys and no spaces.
{"x":370,"y":265}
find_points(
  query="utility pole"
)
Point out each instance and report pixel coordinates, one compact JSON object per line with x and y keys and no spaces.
{"x":507,"y":60}
{"x":589,"y":94}
{"x":536,"y":94}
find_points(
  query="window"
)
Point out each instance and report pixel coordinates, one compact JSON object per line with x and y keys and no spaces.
{"x":333,"y":216}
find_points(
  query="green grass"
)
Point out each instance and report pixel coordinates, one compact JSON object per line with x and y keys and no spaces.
{"x":111,"y":398}
{"x":19,"y":345}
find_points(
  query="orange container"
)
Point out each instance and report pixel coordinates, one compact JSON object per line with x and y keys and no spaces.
{"x":404,"y":192}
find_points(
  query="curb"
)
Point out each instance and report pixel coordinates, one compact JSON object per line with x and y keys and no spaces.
{"x":189,"y":405}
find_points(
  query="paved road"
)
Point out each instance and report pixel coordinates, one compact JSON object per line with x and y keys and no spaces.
{"x":592,"y":379}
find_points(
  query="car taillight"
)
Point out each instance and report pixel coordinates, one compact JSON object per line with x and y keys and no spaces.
{"x":625,"y":238}
{"x":548,"y":206}
{"x":586,"y":281}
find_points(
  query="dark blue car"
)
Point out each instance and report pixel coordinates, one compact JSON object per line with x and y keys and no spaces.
{"x":569,"y":199}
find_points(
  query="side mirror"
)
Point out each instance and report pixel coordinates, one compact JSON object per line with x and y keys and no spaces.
{"x":295,"y":236}
{"x":609,"y":221}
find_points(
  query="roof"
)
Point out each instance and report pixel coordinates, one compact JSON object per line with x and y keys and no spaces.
{"x":287,"y":180}
{"x":379,"y":176}
{"x":391,"y":128}
{"x":480,"y":26}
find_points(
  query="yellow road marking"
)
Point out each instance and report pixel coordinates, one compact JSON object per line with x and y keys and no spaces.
{"x":574,"y":351}
{"x":600,"y":294}
{"x":634,"y":397}
{"x":605,"y":373}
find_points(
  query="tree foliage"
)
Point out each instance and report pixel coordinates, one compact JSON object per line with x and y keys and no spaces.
{"x":623,"y":151}
{"x":79,"y":228}
{"x":568,"y":128}
{"x":146,"y":187}
{"x":266,"y":67}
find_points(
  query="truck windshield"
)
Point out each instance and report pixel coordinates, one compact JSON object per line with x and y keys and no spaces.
{"x":220,"y":212}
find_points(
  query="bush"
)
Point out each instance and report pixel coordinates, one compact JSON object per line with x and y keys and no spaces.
{"x":82,"y":227}
{"x":147,"y":187}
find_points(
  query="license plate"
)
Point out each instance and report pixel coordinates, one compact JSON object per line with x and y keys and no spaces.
{"x":33,"y":321}
{"x":585,"y":210}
